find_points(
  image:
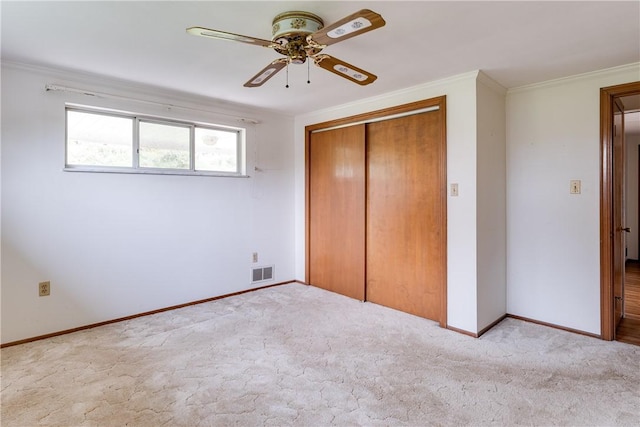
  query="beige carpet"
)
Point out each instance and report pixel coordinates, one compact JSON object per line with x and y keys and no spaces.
{"x":297,"y":355}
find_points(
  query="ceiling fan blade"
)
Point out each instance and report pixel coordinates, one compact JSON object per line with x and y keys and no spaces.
{"x":223,"y":35}
{"x":266,"y":73}
{"x":344,"y":69}
{"x":351,"y":26}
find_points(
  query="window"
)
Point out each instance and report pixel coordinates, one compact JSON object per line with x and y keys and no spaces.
{"x":215,"y":150}
{"x":117,"y":142}
{"x":98,"y":140}
{"x":164,"y":146}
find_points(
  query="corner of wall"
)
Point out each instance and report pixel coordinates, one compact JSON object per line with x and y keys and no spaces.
{"x":487,"y":81}
{"x":491,"y":200}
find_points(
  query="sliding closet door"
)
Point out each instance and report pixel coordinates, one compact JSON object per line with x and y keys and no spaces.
{"x":406,"y":225}
{"x":337,"y":210}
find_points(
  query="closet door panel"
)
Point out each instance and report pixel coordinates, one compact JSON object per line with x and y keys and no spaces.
{"x":406,"y":251}
{"x":337,"y":210}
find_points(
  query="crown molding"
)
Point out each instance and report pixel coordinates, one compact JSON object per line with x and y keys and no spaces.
{"x":491,"y":84}
{"x":635,"y":66}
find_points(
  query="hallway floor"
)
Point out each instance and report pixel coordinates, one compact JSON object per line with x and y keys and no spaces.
{"x":629,"y":329}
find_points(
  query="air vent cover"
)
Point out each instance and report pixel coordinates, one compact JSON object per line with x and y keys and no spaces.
{"x":261,"y":274}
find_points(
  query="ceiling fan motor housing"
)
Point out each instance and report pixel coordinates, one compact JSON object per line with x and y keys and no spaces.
{"x":290,"y":30}
{"x":295,"y":23}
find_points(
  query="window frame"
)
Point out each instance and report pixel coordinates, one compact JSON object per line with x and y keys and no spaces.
{"x":135,"y":168}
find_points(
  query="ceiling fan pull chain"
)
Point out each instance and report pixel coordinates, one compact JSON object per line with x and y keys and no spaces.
{"x":308,"y":72}
{"x":287,"y":86}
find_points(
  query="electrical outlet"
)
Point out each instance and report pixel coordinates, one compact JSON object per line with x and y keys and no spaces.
{"x":44,"y":289}
{"x":255,"y":257}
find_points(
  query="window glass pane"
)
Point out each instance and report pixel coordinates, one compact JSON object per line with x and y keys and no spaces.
{"x":164,"y":146}
{"x":99,"y":140}
{"x":216,"y":150}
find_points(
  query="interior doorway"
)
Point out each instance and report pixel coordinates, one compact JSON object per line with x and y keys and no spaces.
{"x":613,"y":224}
{"x":628,"y":329}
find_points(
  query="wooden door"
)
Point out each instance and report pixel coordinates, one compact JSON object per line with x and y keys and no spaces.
{"x":608,"y":230}
{"x":336,"y":210}
{"x":619,"y":238}
{"x":406,"y":214}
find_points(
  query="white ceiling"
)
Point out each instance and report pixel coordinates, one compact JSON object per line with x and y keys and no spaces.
{"x":515,"y":43}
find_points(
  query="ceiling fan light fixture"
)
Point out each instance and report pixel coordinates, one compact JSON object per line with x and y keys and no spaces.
{"x":295,"y":22}
{"x":355,"y":25}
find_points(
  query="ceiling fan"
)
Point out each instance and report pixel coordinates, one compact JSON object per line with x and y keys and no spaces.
{"x":300,"y":36}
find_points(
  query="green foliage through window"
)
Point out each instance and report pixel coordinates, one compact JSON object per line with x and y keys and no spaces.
{"x":113,"y":141}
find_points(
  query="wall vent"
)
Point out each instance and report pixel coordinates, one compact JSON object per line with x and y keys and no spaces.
{"x":261,"y":274}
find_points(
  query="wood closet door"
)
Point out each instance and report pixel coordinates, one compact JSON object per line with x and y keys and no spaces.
{"x":406,"y":227}
{"x":337,"y":210}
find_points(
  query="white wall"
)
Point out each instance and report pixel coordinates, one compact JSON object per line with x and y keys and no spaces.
{"x":552,"y":236}
{"x":631,"y":190}
{"x":491,"y":209}
{"x":114,"y":245}
{"x":461,"y":168}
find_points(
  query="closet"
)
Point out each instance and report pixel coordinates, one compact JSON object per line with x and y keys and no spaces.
{"x":376,"y":207}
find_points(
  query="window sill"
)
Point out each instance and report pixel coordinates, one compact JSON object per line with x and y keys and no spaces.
{"x":148,"y":171}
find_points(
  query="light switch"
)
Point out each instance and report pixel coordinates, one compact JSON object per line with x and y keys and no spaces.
{"x":454,"y":190}
{"x":574,"y":186}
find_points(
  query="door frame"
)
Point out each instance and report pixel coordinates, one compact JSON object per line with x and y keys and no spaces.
{"x":384,"y":113}
{"x":607,"y":99}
